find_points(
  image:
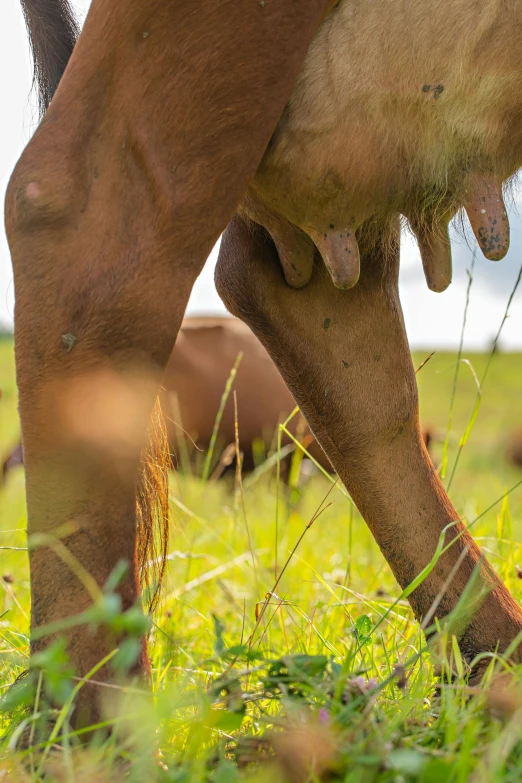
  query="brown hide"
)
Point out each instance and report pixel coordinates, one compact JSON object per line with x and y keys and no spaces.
{"x":195,"y":379}
{"x":164,"y":124}
{"x":156,"y":129}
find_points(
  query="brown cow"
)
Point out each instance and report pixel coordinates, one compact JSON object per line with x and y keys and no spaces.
{"x":206,"y":350}
{"x":199,"y":368}
{"x":196,"y":376}
{"x":151,"y":141}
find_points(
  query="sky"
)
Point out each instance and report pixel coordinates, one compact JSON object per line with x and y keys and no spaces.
{"x":432,"y":320}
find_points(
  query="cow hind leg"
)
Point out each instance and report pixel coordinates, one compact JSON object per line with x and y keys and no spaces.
{"x":344,"y":356}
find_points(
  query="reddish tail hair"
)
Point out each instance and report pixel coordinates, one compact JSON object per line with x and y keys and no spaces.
{"x":152,"y":507}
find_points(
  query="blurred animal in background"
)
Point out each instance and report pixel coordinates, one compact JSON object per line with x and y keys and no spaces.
{"x":514,"y":448}
{"x":13,"y":459}
{"x":206,"y":351}
{"x":194,"y":383}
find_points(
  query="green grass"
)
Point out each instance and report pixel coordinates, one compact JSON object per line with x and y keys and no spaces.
{"x":327,"y":689}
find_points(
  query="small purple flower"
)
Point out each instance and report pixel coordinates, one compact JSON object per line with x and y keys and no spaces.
{"x":324,"y":716}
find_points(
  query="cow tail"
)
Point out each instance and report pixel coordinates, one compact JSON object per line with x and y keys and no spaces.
{"x":152,"y":507}
{"x":53,"y":31}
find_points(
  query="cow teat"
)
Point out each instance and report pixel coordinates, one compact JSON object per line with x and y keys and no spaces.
{"x":370,"y":134}
{"x":295,"y":250}
{"x":484,"y":205}
{"x":487,"y":214}
{"x":435,"y":251}
{"x":340,"y":252}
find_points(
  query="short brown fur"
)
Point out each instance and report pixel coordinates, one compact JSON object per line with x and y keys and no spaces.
{"x":166,"y":117}
{"x":157,"y":127}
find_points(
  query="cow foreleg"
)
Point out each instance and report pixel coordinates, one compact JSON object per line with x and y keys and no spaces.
{"x":92,"y":340}
{"x":157,"y":127}
{"x":345,"y":357}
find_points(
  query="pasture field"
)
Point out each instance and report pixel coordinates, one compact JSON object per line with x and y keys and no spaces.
{"x":333,"y":681}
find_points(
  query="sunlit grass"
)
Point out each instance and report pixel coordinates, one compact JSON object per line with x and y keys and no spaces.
{"x":324,"y":670}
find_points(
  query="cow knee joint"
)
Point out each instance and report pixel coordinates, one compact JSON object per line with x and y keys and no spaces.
{"x":41,"y":194}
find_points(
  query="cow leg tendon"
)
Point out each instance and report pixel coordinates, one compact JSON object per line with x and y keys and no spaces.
{"x":345,"y":358}
{"x":158,"y":125}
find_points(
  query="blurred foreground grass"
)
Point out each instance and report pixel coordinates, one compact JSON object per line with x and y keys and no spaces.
{"x":336,"y":683}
